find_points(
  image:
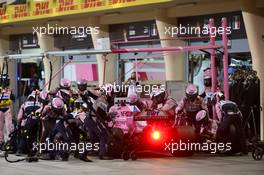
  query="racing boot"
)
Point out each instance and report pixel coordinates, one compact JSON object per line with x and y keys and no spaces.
{"x":84,"y":157}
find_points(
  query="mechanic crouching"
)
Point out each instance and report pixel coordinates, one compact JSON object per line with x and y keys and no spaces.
{"x":162,"y":101}
{"x":190,"y":105}
{"x":230,"y":128}
{"x":50,"y":114}
{"x":206,"y":127}
{"x":84,"y":93}
{"x":133,"y":99}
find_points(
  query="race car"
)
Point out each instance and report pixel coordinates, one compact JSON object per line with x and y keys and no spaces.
{"x":149,"y":131}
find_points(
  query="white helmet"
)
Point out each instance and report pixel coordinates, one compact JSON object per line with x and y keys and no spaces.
{"x":159,"y":96}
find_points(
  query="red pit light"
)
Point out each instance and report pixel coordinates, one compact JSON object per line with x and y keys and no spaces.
{"x":156,"y":135}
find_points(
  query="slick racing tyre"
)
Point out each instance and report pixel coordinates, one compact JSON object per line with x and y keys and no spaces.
{"x":115,"y":142}
{"x":133,"y":155}
{"x":184,"y":134}
{"x":59,"y":154}
{"x":125,"y":155}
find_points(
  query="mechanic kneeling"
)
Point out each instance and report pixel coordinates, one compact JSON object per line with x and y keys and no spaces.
{"x":162,"y":101}
{"x":191,"y":104}
{"x":50,"y":114}
{"x":206,"y":127}
{"x":230,"y":124}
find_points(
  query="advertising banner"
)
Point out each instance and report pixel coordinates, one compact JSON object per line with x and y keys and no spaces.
{"x":37,"y":9}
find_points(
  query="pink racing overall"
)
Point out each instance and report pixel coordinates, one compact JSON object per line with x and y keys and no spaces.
{"x":191,"y":108}
{"x":49,"y":121}
{"x":209,"y":129}
{"x":5,"y":113}
{"x":169,"y":106}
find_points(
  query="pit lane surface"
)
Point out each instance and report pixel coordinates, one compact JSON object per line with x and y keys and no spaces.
{"x":198,"y":164}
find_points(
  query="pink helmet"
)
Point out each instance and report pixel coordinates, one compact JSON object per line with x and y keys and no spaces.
{"x":191,"y":92}
{"x":82,"y":81}
{"x":133,"y":98}
{"x":65,"y":83}
{"x":82,"y":84}
{"x":57,"y":103}
{"x":201,"y":116}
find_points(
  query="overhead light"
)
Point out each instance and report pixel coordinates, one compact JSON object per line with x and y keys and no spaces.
{"x":189,"y":4}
